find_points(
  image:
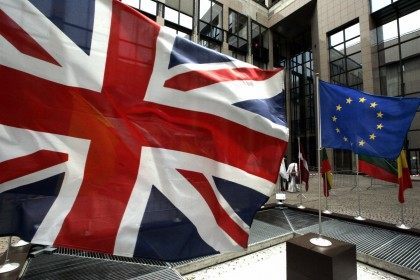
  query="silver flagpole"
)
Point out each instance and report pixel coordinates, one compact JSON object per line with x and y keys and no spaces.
{"x":402,"y":225}
{"x":319,"y":241}
{"x":300,"y":179}
{"x":359,"y":210}
{"x":326,"y":211}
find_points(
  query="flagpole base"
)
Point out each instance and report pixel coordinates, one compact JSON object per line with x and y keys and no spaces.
{"x":20,"y":243}
{"x":402,"y":226}
{"x":359,"y":218}
{"x":8,"y":267}
{"x":301,"y":207}
{"x":326,"y":211}
{"x":319,"y":241}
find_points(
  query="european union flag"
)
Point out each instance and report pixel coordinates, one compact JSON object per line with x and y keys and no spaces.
{"x":364,"y":123}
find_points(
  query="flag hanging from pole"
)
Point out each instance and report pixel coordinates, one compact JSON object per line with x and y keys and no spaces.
{"x":327,"y":176}
{"x":404,"y":179}
{"x":379,"y":168}
{"x":364,"y":123}
{"x":117,"y":136}
{"x":303,"y":167}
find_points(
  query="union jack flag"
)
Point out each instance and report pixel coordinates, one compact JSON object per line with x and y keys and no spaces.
{"x":118,"y":137}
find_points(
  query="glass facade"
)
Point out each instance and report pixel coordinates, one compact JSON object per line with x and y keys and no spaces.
{"x":259,"y":45}
{"x":345,"y":69}
{"x":178,"y":15}
{"x":376,"y":5}
{"x":398,"y":47}
{"x":302,"y":105}
{"x":237,"y":34}
{"x":210,"y":26}
{"x":147,"y":7}
{"x":346,"y":57}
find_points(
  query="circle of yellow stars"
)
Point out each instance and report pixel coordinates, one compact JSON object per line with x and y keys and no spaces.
{"x":379,"y":116}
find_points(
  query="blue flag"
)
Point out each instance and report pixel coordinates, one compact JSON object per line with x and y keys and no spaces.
{"x":364,"y":123}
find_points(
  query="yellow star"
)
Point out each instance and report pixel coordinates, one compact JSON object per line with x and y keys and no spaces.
{"x":373,"y":105}
{"x":379,"y":114}
{"x":345,"y":139}
{"x":379,"y":126}
{"x":334,"y":118}
{"x":349,"y":100}
{"x":372,"y":136}
{"x":338,"y":107}
{"x":338,"y":130}
{"x":362,"y":100}
{"x":361,"y":143}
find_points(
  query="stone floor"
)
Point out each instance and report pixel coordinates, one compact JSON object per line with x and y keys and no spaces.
{"x":378,"y":199}
{"x":4,"y":242}
{"x":270,"y":264}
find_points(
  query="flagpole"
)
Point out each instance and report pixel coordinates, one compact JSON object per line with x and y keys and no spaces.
{"x":319,"y":241}
{"x":402,"y":225}
{"x":300,"y":178}
{"x":326,"y":211}
{"x":359,"y":210}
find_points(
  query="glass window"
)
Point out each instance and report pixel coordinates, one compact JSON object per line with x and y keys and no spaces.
{"x":147,"y":6}
{"x":345,"y":57}
{"x":171,"y":15}
{"x":387,"y":32}
{"x":337,"y":38}
{"x":210,"y":22}
{"x":411,"y":74}
{"x":398,"y":55}
{"x":178,"y":16}
{"x":352,"y":31}
{"x":238,"y":32}
{"x":238,"y":55}
{"x":410,"y":24}
{"x":259,"y":44}
{"x":379,"y":4}
{"x":211,"y":45}
{"x":390,"y":80}
{"x":132,"y":3}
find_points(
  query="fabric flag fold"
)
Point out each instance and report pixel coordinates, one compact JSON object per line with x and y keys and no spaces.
{"x":379,"y":168}
{"x":117,"y":136}
{"x":303,"y":167}
{"x":364,"y":123}
{"x":327,"y":176}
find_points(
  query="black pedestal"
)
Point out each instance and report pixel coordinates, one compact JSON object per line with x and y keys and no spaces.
{"x":307,"y":261}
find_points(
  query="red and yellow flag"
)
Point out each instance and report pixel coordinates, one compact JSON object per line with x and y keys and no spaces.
{"x":327,"y":176}
{"x":404,"y":179}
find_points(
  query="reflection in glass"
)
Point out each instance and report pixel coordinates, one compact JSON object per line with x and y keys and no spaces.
{"x":148,"y":6}
{"x":411,"y":74}
{"x":387,"y":31}
{"x":390,"y":80}
{"x":345,"y":57}
{"x":353,"y":46}
{"x":238,"y":32}
{"x":352,"y":31}
{"x":410,"y":23}
{"x":337,"y":38}
{"x":185,"y":21}
{"x":171,"y":15}
{"x":210,"y":44}
{"x":379,"y":4}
